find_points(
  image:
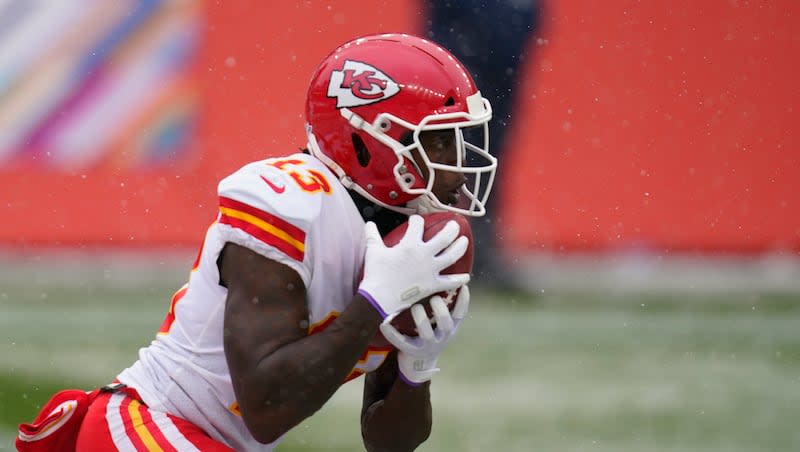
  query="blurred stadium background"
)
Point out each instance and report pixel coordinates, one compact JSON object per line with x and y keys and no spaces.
{"x":649,"y":210}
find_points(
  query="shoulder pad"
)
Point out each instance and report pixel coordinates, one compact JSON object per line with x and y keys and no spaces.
{"x":265,"y":200}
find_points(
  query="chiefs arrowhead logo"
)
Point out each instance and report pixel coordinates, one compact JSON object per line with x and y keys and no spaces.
{"x":360,"y":84}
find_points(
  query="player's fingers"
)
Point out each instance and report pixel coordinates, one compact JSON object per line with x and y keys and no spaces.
{"x":450,"y":282}
{"x":462,"y":304}
{"x":445,"y":237}
{"x":372,"y":234}
{"x":452,"y":254}
{"x":424,"y":327}
{"x":396,"y":338}
{"x":444,"y":322}
{"x":415,"y":229}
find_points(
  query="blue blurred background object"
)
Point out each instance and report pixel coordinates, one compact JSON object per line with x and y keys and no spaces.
{"x":493,"y":38}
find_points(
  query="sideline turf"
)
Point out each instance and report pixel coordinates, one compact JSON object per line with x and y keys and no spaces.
{"x":556,"y":373}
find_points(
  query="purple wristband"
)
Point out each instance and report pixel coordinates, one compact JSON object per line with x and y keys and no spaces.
{"x":407,"y":381}
{"x":374,"y":303}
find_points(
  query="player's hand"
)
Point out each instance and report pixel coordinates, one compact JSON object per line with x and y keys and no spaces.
{"x":417,"y":356}
{"x":399,"y":276}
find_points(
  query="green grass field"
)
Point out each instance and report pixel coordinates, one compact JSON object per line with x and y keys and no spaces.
{"x":555,"y":373}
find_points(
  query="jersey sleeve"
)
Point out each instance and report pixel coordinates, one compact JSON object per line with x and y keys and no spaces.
{"x":260,"y":209}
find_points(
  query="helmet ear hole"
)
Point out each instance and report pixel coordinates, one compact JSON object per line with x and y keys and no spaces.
{"x":362,"y":153}
{"x":407,"y":138}
{"x":449,"y":102}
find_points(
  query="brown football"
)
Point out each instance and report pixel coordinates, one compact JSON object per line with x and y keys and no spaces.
{"x":434,"y":223}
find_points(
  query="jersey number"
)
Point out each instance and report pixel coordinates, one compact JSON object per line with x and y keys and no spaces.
{"x":307,"y":179}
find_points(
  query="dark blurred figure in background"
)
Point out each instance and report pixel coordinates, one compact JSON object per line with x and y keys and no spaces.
{"x":493,"y":38}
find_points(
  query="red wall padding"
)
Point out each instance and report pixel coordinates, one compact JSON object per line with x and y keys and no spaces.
{"x":656,"y":125}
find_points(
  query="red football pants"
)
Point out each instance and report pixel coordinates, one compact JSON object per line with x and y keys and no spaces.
{"x":117,"y":421}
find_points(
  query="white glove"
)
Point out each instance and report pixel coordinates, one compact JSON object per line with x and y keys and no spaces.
{"x":417,"y":356}
{"x":399,"y":276}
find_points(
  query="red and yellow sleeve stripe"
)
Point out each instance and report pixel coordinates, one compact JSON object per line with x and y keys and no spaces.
{"x":266,"y":227}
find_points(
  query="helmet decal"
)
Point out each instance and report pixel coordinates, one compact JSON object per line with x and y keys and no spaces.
{"x":360,"y":84}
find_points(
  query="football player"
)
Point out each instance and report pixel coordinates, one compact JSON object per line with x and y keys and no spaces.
{"x":293,"y":281}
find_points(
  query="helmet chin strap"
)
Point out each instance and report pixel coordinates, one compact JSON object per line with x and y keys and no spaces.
{"x":424,"y":205}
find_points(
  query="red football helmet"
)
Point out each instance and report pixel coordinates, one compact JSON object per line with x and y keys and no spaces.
{"x":368,"y":102}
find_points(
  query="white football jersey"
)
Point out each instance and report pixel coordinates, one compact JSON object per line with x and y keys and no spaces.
{"x":292,"y":210}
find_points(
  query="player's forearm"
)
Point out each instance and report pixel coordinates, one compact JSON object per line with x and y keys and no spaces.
{"x":293,"y":382}
{"x":399,"y":422}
